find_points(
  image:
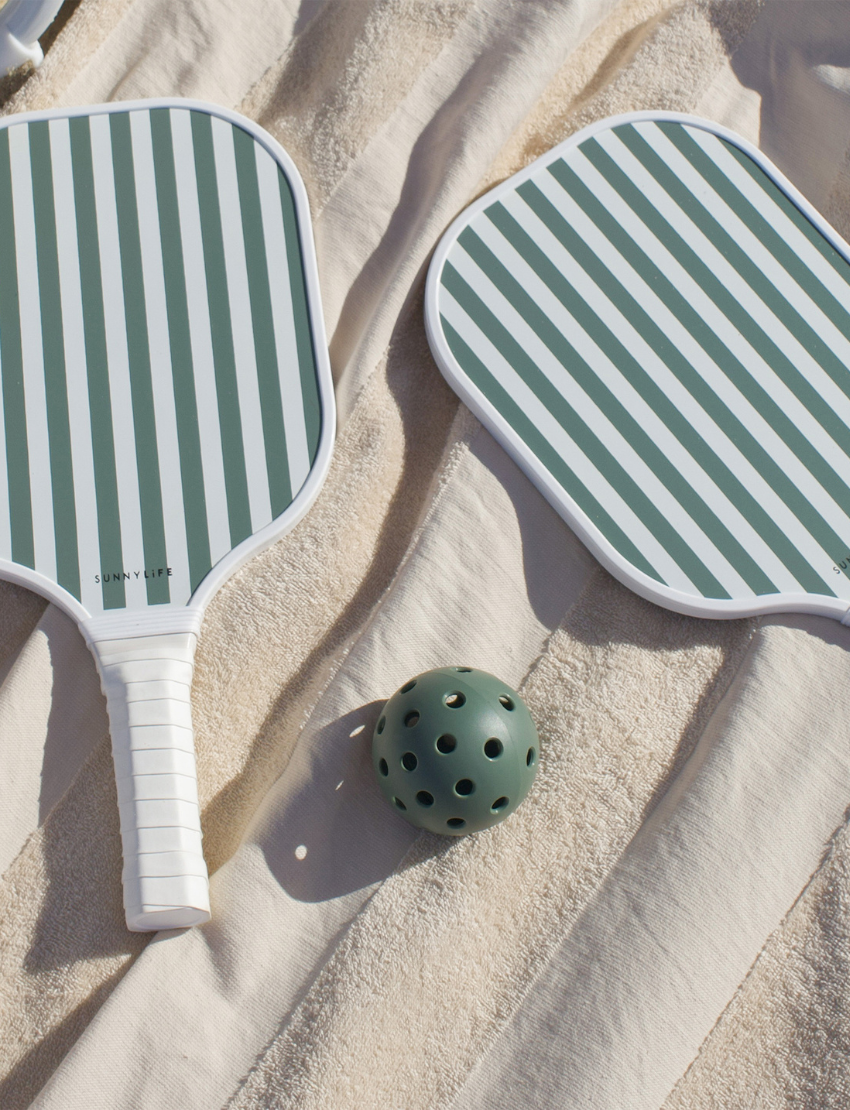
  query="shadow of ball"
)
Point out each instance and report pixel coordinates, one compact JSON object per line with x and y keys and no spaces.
{"x":455,"y":750}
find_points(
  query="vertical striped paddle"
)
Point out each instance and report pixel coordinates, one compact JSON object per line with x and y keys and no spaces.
{"x":166,"y":410}
{"x":656,"y":325}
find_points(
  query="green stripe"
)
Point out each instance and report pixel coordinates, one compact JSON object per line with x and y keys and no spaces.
{"x":179,"y":337}
{"x":301,"y":312}
{"x":800,"y":220}
{"x":268,"y":376}
{"x":53,"y":347}
{"x":764,"y":231}
{"x":232,"y":447}
{"x":629,"y":366}
{"x":11,"y":360}
{"x":103,"y":445}
{"x":138,"y":351}
{"x":765,"y":291}
{"x":576,"y":367}
{"x":481,"y":377}
{"x":720,"y":355}
{"x":584,"y":438}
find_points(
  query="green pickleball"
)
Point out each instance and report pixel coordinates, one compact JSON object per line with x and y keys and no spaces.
{"x":455,"y":750}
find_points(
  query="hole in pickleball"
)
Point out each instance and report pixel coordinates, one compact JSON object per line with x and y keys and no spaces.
{"x":409,"y":761}
{"x":463,"y":670}
{"x":498,"y":805}
{"x":531,"y":757}
{"x":412,"y":718}
{"x":381,"y":724}
{"x":493,"y":748}
{"x":464,"y":787}
{"x":505,"y":701}
{"x":424,"y":798}
{"x":455,"y":822}
{"x":455,"y":700}
{"x":408,"y":686}
{"x":399,"y":803}
{"x":446,"y":744}
{"x":382,"y":767}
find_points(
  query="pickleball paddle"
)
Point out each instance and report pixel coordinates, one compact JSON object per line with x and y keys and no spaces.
{"x":166,"y":411}
{"x":656,"y":325}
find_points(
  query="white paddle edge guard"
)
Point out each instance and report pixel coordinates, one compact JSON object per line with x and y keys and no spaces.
{"x":564,"y":505}
{"x":183,"y":620}
{"x":147,"y":681}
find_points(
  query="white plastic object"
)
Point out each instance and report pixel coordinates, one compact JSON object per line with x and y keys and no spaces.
{"x":22,"y":22}
{"x":147,"y":681}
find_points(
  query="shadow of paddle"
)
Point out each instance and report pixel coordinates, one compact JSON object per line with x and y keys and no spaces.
{"x":22,"y":1083}
{"x":796,"y":58}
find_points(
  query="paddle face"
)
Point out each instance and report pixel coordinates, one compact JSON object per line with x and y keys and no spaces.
{"x":164,"y":383}
{"x":657,"y":327}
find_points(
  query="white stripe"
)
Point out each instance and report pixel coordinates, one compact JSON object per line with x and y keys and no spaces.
{"x":758,"y":426}
{"x":564,"y":446}
{"x":774,"y":215}
{"x":750,"y":358}
{"x":73,"y":335}
{"x":714,"y":435}
{"x":283,"y":317}
{"x":5,"y":519}
{"x":38,"y":438}
{"x":592,"y":417}
{"x":209,"y":429}
{"x":771,"y":270}
{"x":115,"y":325}
{"x":165,"y":412}
{"x":649,"y":421}
{"x":241,"y":320}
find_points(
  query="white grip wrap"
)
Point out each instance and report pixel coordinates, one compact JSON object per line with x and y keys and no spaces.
{"x":147,"y":681}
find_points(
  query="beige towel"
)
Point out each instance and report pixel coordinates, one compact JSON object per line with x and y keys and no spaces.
{"x":588,"y":952}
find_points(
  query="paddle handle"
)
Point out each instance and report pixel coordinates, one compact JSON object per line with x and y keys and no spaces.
{"x":147,"y":681}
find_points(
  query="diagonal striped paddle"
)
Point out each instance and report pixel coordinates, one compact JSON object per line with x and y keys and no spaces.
{"x":166,"y":410}
{"x":656,"y":326}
